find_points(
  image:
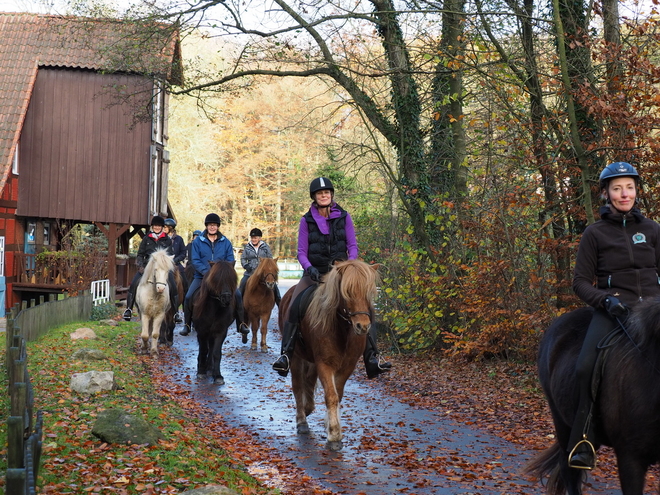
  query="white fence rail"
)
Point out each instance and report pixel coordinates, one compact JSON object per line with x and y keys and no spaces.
{"x":100,"y":292}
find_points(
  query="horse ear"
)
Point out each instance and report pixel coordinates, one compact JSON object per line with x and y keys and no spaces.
{"x":375,"y":266}
{"x":275,"y":260}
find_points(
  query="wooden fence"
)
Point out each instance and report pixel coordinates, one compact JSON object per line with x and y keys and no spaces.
{"x":24,"y":433}
{"x":35,"y":320}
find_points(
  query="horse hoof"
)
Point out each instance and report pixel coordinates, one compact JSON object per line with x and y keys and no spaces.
{"x":335,"y":446}
{"x":201,"y":376}
{"x":219,"y":381}
{"x":169,"y":343}
{"x":264,"y":349}
{"x":253,"y":347}
{"x":302,"y":429}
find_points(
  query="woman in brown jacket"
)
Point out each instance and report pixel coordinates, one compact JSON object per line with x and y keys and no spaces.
{"x":617,"y":266}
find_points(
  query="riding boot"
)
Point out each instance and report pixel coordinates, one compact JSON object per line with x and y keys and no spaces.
{"x":372,"y":361}
{"x":130,"y":300}
{"x":289,"y":336}
{"x":174,"y":293}
{"x":187,"y":318}
{"x":278,"y":296}
{"x":239,"y":315}
{"x":582,"y":452}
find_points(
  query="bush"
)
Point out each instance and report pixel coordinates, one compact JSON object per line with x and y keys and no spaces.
{"x":104,"y":312}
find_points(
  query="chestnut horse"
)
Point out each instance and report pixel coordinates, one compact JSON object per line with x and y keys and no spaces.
{"x":212,"y":313}
{"x":333,"y":332}
{"x":259,"y":299}
{"x":627,"y":401}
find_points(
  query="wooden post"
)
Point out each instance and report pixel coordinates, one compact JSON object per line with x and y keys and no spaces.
{"x":112,"y":232}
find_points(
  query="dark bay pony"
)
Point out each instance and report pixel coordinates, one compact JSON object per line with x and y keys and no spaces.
{"x":259,"y":299}
{"x":333,"y":332}
{"x":627,"y":405}
{"x":167,"y":328}
{"x":212,"y":313}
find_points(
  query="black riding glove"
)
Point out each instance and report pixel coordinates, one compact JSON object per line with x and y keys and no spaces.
{"x":313,"y":274}
{"x":615,"y":307}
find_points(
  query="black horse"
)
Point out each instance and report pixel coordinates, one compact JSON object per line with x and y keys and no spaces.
{"x":212,"y":313}
{"x":627,"y":404}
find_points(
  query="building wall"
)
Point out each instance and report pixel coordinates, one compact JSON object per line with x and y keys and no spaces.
{"x":82,"y":155}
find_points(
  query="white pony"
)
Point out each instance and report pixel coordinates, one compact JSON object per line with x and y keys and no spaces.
{"x":153,"y":298}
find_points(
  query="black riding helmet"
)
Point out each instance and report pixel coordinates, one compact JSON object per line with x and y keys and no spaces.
{"x":617,"y":169}
{"x":212,"y":218}
{"x":157,"y":220}
{"x":256,"y":233}
{"x":320,"y":184}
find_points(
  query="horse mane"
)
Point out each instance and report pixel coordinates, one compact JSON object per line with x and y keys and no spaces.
{"x":159,"y":260}
{"x":347,"y":280}
{"x":268,"y":265}
{"x":220,"y":278}
{"x":643,"y":326}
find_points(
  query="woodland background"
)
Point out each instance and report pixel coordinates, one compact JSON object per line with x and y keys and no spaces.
{"x":465,"y":138}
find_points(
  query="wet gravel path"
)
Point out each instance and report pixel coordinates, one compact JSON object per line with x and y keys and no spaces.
{"x":389,"y":447}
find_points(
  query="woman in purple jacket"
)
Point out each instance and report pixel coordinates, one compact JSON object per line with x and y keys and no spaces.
{"x":326,"y":234}
{"x":616,"y":267}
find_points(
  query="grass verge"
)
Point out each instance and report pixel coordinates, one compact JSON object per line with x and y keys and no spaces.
{"x":76,"y":462}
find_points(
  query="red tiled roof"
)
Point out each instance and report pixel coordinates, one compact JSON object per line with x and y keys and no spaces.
{"x":29,"y":41}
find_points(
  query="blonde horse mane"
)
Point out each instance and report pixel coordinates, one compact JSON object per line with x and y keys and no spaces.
{"x":268,"y":265}
{"x":159,"y":260}
{"x":348,"y":280}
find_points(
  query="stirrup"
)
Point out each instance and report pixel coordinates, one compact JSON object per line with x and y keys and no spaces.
{"x":282,"y":367}
{"x":128,"y":314}
{"x":591,"y":452}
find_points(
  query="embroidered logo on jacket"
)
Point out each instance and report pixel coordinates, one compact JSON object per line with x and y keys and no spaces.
{"x":638,"y":238}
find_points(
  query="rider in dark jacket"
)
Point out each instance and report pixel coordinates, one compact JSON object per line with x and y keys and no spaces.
{"x":155,"y":239}
{"x":207,"y":248}
{"x":326,"y":234}
{"x":617,"y":266}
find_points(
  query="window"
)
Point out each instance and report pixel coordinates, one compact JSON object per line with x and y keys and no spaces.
{"x":2,"y":256}
{"x":158,"y":112}
{"x":155,"y":181}
{"x":14,"y":165}
{"x":46,"y":233}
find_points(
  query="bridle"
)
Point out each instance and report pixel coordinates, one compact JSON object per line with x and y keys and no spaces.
{"x":265,"y":279}
{"x":345,"y":314}
{"x":155,"y":283}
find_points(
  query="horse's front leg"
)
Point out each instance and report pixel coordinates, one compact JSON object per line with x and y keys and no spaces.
{"x":217,"y":358}
{"x":264,"y":332}
{"x":144,"y":334}
{"x":155,"y":333}
{"x":202,"y":356}
{"x":632,"y":473}
{"x":332,"y":400}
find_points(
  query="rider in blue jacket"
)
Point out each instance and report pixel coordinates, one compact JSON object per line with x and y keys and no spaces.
{"x":207,"y":248}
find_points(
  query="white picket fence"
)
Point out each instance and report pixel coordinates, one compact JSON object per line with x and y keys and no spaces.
{"x":100,"y":291}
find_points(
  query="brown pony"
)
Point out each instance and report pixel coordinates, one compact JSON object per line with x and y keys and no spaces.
{"x":259,"y":299}
{"x":333,"y":331}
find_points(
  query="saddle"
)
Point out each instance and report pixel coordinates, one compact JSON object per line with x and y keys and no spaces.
{"x":301,"y":303}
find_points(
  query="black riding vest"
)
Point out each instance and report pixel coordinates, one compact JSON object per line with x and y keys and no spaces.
{"x":324,"y":250}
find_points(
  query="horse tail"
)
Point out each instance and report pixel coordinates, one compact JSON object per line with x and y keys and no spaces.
{"x":547,"y":463}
